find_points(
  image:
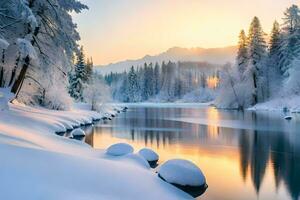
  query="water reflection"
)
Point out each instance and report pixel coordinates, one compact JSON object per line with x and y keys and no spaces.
{"x":258,"y":159}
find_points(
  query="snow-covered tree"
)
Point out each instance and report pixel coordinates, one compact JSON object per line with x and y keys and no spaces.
{"x":148,"y":81}
{"x":167,"y":90}
{"x":292,"y":83}
{"x":156,"y":79}
{"x":257,"y":54}
{"x":89,"y":69}
{"x":45,"y":26}
{"x":133,"y":86}
{"x":273,"y":76}
{"x":234,"y":93}
{"x":242,"y":55}
{"x":96,"y":93}
{"x":3,"y":46}
{"x":77,"y":78}
{"x":290,"y":45}
{"x":275,"y":39}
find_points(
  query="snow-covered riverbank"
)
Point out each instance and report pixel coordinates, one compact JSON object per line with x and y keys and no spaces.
{"x":38,"y":164}
{"x":291,"y":104}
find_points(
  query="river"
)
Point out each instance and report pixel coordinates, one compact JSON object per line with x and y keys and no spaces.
{"x":244,"y":155}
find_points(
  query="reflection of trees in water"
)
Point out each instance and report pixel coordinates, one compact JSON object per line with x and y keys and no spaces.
{"x":254,"y":154}
{"x":286,"y":165}
{"x":244,"y":153}
{"x":259,"y":159}
{"x":89,"y":138}
{"x":255,"y":148}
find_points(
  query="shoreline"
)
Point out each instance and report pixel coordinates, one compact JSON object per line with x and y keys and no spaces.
{"x":33,"y":157}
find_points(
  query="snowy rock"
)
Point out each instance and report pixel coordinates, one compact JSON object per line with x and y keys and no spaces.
{"x":288,"y":117}
{"x":149,"y":155}
{"x":119,"y":149}
{"x":78,"y":132}
{"x":137,"y":160}
{"x":104,"y":118}
{"x":184,"y":175}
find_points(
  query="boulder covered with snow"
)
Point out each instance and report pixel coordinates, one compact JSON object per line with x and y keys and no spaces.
{"x":78,"y":132}
{"x":119,"y":149}
{"x":288,"y":117}
{"x":137,"y":159}
{"x":184,"y":175}
{"x":149,"y":155}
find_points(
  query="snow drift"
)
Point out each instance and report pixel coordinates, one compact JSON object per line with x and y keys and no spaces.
{"x":38,"y":164}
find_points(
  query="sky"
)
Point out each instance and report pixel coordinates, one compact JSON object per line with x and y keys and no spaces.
{"x":117,"y":30}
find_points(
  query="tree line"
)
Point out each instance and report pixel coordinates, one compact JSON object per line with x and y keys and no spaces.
{"x":264,"y":68}
{"x":166,"y":82}
{"x":38,"y":40}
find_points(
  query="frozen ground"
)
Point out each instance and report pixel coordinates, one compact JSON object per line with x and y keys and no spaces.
{"x":290,"y":103}
{"x":38,"y":164}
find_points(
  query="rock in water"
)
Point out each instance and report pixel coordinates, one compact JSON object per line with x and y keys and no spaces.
{"x":78,"y":132}
{"x":149,"y":155}
{"x":288,"y":117}
{"x":119,"y":149}
{"x":185,"y":175}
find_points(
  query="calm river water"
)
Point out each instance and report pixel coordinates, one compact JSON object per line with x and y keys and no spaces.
{"x":244,"y":155}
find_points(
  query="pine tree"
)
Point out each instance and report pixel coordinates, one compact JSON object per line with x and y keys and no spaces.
{"x":242,"y":56}
{"x":133,"y":86}
{"x":88,"y":70}
{"x":123,"y":93}
{"x":156,"y":79}
{"x":257,"y":53}
{"x":275,"y":39}
{"x":289,"y":48}
{"x":273,"y":69}
{"x":151,"y":80}
{"x":147,"y":81}
{"x":77,"y":77}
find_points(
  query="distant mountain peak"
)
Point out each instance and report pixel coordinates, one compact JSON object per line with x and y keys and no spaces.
{"x":175,"y":54}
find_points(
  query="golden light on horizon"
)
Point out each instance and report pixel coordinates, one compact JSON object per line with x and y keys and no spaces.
{"x":113,"y":31}
{"x":212,"y":82}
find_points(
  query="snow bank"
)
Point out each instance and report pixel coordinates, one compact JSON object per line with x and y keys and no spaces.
{"x":290,"y":103}
{"x":119,"y":149}
{"x":78,"y":132}
{"x":181,"y":172}
{"x":149,"y":154}
{"x":201,"y":95}
{"x":38,"y":164}
{"x":136,"y":159}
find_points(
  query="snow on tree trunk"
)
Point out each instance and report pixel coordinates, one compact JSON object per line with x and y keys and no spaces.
{"x":5,"y":98}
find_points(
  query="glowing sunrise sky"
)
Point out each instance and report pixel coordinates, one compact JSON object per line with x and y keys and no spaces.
{"x":115,"y":30}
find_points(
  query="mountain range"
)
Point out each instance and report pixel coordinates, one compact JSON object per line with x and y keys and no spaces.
{"x":210,"y":55}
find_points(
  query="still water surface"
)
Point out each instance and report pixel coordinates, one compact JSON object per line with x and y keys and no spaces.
{"x":244,"y":155}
